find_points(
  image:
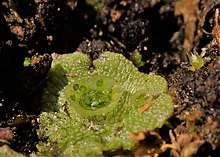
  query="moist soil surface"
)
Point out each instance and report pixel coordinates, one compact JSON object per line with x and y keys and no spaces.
{"x":160,"y":36}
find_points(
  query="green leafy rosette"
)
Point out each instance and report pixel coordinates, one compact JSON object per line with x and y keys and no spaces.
{"x":93,"y":106}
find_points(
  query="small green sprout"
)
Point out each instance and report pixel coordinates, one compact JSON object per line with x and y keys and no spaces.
{"x":196,"y":61}
{"x":97,"y":5}
{"x":136,"y":58}
{"x":27,"y":62}
{"x":90,"y":109}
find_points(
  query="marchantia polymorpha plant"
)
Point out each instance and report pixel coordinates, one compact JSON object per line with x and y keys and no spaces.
{"x":90,"y":109}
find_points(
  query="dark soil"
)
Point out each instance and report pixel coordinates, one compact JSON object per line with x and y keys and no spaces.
{"x":159,"y":31}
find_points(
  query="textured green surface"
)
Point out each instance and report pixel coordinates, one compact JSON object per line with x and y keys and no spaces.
{"x":90,"y":107}
{"x":5,"y":151}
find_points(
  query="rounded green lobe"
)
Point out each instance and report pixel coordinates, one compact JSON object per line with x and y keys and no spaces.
{"x":6,"y":151}
{"x":95,"y":110}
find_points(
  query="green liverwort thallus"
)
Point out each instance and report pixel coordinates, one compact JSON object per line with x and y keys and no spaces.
{"x":93,"y":106}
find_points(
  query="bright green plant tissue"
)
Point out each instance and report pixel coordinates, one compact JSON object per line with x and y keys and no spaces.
{"x":93,"y":106}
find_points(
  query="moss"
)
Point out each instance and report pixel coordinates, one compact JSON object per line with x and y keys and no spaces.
{"x":89,"y":109}
{"x":97,"y":4}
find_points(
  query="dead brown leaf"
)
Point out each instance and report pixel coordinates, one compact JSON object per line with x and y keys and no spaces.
{"x":189,"y":10}
{"x":145,"y":107}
